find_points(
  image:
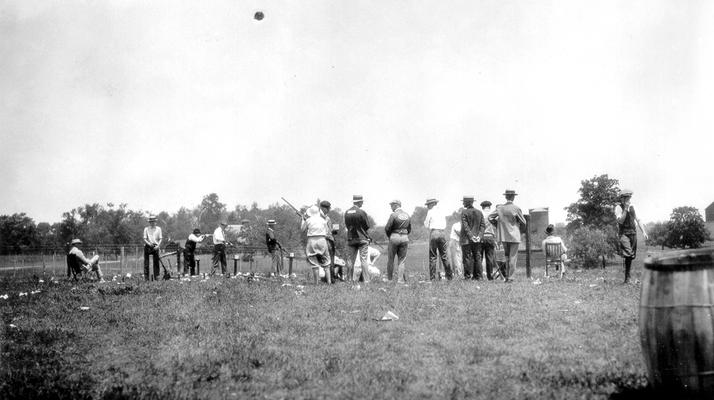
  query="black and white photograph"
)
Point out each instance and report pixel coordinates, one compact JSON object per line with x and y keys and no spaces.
{"x":359,"y":199}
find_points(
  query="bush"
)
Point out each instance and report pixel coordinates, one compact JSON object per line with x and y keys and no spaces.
{"x":591,"y":246}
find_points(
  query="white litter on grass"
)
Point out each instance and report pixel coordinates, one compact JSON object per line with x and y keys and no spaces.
{"x":593,"y":285}
{"x":293,"y":275}
{"x":537,"y":282}
{"x":389,"y":316}
{"x":577,"y":302}
{"x":12,"y":326}
{"x":285,"y":284}
{"x":41,"y":281}
{"x":4,"y":297}
{"x":22,"y":294}
{"x":35,"y":291}
{"x":300,"y":287}
{"x":84,"y":308}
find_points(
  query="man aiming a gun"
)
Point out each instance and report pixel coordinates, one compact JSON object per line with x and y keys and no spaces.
{"x":274,"y":248}
{"x":189,"y":253}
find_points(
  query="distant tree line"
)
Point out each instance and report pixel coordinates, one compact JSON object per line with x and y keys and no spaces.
{"x":110,"y":226}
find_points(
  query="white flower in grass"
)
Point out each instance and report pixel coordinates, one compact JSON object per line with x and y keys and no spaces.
{"x":22,"y":294}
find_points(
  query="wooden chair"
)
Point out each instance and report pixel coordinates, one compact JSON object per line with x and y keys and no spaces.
{"x":553,"y":257}
{"x":76,"y":268}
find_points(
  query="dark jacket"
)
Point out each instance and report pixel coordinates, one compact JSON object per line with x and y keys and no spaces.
{"x":399,"y":222}
{"x":357,"y":224}
{"x":472,"y":224}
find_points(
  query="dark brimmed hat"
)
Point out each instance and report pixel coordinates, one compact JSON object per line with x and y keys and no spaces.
{"x":356,"y":198}
{"x":486,"y":203}
{"x":510,"y":192}
{"x":397,"y":202}
{"x":431,"y":201}
{"x":196,"y":231}
{"x":549,"y":229}
{"x":325,"y":203}
{"x":468,"y":198}
{"x":76,"y":241}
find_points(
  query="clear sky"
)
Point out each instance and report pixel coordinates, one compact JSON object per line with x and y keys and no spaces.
{"x":159,"y":103}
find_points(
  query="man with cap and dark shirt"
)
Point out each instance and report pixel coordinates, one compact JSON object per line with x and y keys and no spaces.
{"x":357,"y":224}
{"x":152,"y":241}
{"x":189,"y":252}
{"x":472,"y":227}
{"x":488,"y":242}
{"x":627,"y":224}
{"x":398,"y":228}
{"x":509,"y":219}
{"x":274,"y":248}
{"x":330,"y":237}
{"x":435,"y":222}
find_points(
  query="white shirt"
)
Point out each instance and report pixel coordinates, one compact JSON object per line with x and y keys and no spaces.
{"x":554,"y":239}
{"x":195,"y":238}
{"x":218,"y":237}
{"x":455,"y":231}
{"x":152,"y":235}
{"x":435,"y":218}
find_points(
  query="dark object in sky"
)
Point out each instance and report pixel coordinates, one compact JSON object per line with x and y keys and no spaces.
{"x":258,"y":15}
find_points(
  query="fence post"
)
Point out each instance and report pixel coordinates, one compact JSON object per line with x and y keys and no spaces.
{"x":122,"y":260}
{"x":235,"y":264}
{"x":178,"y":261}
{"x":198,"y":266}
{"x":291,"y":256}
{"x":53,"y":263}
{"x":528,"y":245}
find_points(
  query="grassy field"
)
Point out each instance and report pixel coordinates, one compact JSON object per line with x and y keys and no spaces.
{"x":276,"y":338}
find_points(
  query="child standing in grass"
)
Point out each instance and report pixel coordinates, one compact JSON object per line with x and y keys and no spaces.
{"x":316,"y":248}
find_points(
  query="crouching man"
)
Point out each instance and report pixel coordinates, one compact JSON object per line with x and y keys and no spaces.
{"x":79,"y":263}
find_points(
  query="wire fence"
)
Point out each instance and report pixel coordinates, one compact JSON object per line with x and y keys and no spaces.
{"x":122,"y":259}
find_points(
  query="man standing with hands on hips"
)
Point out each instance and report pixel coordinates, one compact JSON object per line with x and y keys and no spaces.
{"x":219,"y":248}
{"x":435,"y":222}
{"x":627,"y":224}
{"x":509,"y":218}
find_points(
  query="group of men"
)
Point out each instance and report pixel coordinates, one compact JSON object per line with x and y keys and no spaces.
{"x":473,"y":238}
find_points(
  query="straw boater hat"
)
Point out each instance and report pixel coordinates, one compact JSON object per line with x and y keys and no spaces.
{"x":357,"y":198}
{"x":271,"y":222}
{"x":395,"y":201}
{"x":468,"y":198}
{"x":625,"y":192}
{"x":431,"y":201}
{"x":152,"y":218}
{"x":313,"y":211}
{"x":76,"y":241}
{"x":510,"y":192}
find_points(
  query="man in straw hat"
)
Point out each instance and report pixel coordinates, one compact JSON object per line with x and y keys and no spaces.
{"x":472,"y":227}
{"x":398,"y":228}
{"x":627,"y":224}
{"x":152,"y":241}
{"x":435,"y":222}
{"x":325,"y":207}
{"x":509,"y":218}
{"x":274,"y":248}
{"x":78,"y":261}
{"x":357,"y":224}
{"x":219,"y":248}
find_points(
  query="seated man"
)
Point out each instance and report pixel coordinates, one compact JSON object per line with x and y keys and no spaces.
{"x":78,"y":262}
{"x":551,"y":238}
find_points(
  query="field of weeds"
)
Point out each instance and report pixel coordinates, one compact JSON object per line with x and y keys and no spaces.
{"x":263,"y":337}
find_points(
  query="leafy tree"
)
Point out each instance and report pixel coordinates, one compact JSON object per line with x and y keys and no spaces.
{"x":598,"y":197}
{"x":17,"y":233}
{"x":590,"y":246}
{"x":687,"y":228}
{"x":211,"y":211}
{"x":658,"y":234}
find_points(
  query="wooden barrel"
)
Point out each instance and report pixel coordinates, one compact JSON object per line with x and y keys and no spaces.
{"x":676,"y":322}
